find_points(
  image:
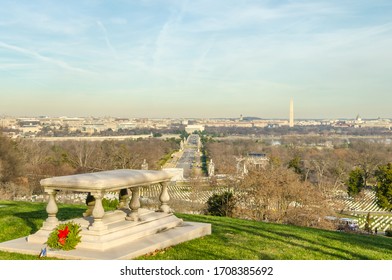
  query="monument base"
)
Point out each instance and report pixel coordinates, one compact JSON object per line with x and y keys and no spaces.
{"x":119,"y":238}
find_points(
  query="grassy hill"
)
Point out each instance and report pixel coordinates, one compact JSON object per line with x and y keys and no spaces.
{"x":231,"y":239}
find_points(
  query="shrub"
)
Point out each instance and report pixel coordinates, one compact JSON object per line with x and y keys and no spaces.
{"x":109,"y":204}
{"x":221,"y":204}
{"x":388,"y":232}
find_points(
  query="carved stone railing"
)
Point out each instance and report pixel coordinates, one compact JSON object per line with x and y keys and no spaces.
{"x":124,"y":233}
{"x":98,"y":183}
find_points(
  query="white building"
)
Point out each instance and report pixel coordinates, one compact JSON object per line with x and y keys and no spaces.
{"x":194,"y":127}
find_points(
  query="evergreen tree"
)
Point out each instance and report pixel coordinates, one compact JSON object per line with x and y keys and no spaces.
{"x":295,"y":164}
{"x":221,"y":204}
{"x":355,"y":182}
{"x":384,"y":186}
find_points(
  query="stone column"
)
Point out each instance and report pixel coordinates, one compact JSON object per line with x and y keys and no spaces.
{"x":98,"y":212}
{"x":134,"y":204}
{"x":164,"y":198}
{"x":52,"y":209}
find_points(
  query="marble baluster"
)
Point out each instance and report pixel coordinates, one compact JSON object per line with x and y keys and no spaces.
{"x":52,"y":209}
{"x":134,"y":205}
{"x":98,"y":212}
{"x":164,"y":198}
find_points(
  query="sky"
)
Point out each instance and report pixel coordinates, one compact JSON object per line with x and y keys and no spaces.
{"x":196,"y":58}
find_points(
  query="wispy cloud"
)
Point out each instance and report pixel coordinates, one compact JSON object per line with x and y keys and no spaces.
{"x":166,"y":38}
{"x":199,"y":50}
{"x":59,"y":63}
{"x":199,"y":62}
{"x":107,"y":40}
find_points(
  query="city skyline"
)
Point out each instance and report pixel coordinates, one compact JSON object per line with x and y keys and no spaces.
{"x":196,"y":59}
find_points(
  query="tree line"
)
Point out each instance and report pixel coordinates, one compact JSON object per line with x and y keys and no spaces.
{"x":300,"y":183}
{"x":24,"y":162}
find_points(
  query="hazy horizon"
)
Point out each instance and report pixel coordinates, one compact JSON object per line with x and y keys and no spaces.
{"x":204,"y":59}
{"x":184,"y":117}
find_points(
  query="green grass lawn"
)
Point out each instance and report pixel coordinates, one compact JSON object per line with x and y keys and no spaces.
{"x":231,"y":239}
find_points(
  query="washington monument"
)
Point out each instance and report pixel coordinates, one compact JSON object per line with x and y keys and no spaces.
{"x":291,"y":121}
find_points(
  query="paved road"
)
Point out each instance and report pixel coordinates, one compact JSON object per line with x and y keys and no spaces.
{"x":193,"y":140}
{"x":189,"y":155}
{"x":186,"y":162}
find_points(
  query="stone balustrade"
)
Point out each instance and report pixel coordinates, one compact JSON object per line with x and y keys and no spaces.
{"x":124,"y":233}
{"x":98,"y":183}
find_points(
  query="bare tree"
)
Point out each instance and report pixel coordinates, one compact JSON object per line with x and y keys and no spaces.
{"x":81,"y":153}
{"x":11,"y":165}
{"x":278,"y":194}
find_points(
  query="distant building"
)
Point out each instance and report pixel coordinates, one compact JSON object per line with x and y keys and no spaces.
{"x":91,"y":128}
{"x":358,"y":121}
{"x":28,"y":122}
{"x":251,"y":161}
{"x":192,"y":128}
{"x":257,"y":159}
{"x":126,"y":125}
{"x":29,"y":126}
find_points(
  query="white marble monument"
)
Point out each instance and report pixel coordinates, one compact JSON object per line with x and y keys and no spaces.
{"x":125,"y":233}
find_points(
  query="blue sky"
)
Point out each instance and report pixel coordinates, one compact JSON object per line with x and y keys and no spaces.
{"x":155,"y":58}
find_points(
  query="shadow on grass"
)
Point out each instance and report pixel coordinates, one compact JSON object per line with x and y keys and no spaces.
{"x":334,"y":245}
{"x":274,"y":241}
{"x":32,"y":215}
{"x":338,"y":244}
{"x":35,"y":219}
